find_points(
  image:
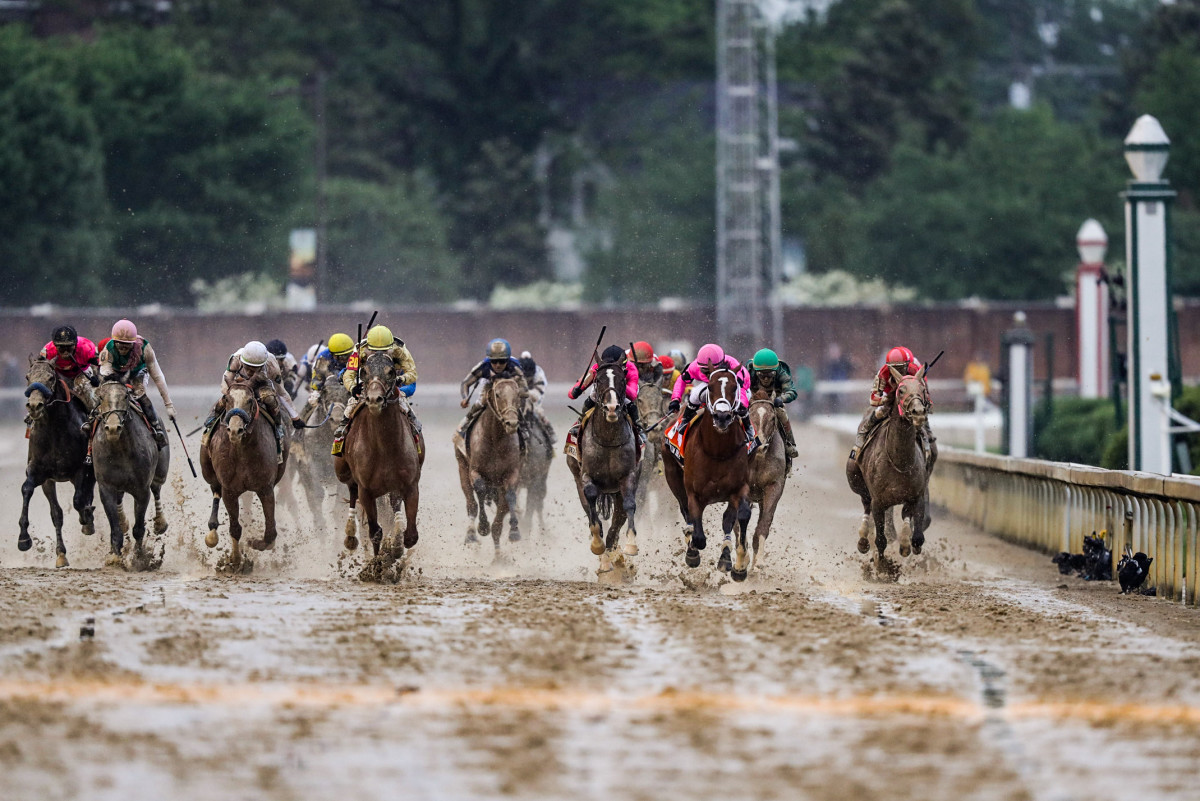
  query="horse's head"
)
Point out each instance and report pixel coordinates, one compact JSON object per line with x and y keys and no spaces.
{"x":722,"y":397}
{"x":609,"y":389}
{"x":762,"y":415}
{"x":506,"y":402}
{"x":243,"y":411}
{"x":378,"y":377}
{"x":912,"y":396}
{"x":335,"y":397}
{"x":39,"y":387}
{"x":112,"y":407}
{"x":652,"y":403}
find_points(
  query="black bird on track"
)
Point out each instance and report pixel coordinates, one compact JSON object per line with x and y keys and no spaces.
{"x":1133,"y":569}
{"x":1097,"y":558}
{"x":1069,"y":564}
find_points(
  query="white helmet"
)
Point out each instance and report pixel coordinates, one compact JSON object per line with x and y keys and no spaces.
{"x":526,"y":354}
{"x":254,"y":354}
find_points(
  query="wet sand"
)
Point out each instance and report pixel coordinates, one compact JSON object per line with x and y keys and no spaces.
{"x":980,"y":673}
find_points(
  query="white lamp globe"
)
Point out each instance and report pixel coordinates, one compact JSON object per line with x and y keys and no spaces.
{"x":1092,"y":242}
{"x":1146,"y":149}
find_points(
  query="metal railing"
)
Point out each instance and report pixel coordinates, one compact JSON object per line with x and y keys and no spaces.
{"x":1051,"y":506}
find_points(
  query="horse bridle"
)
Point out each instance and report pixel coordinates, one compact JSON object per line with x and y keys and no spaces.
{"x":122,"y":414}
{"x":389,"y":384}
{"x":51,"y":394}
{"x":238,"y":411}
{"x":490,"y":403}
{"x":722,"y":403}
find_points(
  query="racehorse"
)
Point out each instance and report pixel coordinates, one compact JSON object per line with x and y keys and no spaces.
{"x":652,"y":411}
{"x":381,"y":455}
{"x":127,"y":460}
{"x":240,"y":456}
{"x":768,"y":469}
{"x":311,"y":462}
{"x":607,"y":468}
{"x":535,"y":470}
{"x":491,"y":466}
{"x":892,"y":469}
{"x":716,"y":469}
{"x":57,"y":452}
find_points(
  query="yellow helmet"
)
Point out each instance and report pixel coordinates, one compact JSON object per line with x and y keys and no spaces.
{"x":380,"y":338}
{"x":340,"y":344}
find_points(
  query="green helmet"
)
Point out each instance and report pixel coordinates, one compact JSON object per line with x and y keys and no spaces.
{"x":765,"y":359}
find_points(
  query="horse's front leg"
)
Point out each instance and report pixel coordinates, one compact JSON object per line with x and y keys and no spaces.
{"x":375,"y":531}
{"x":879,"y":513}
{"x":728,"y":521}
{"x":267,"y":499}
{"x":481,"y":519}
{"x":140,"y":504}
{"x":510,"y":499}
{"x":351,"y":541}
{"x":24,"y":541}
{"x":766,"y":516}
{"x":56,"y":516}
{"x":210,"y":539}
{"x":160,"y":519}
{"x":741,"y":560}
{"x":111,"y":501}
{"x":235,"y":530}
{"x":591,"y":494}
{"x":85,"y":484}
{"x":629,"y":492}
{"x":468,"y":490}
{"x":696,"y":540}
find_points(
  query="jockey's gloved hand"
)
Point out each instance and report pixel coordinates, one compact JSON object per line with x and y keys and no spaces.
{"x":298,"y":424}
{"x":779,"y":403}
{"x":93,"y":379}
{"x":573,"y":393}
{"x":171,"y":410}
{"x":673,"y":406}
{"x":357,"y":390}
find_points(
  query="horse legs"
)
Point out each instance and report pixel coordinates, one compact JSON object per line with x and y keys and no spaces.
{"x":591,"y":493}
{"x":502,"y":509}
{"x":374,"y":530}
{"x":510,"y":498}
{"x":741,"y":560}
{"x":412,"y":501}
{"x":111,"y":501}
{"x":629,"y":494}
{"x":85,"y":484}
{"x":479,"y":500}
{"x":728,"y":519}
{"x":235,"y":530}
{"x":696,"y":540}
{"x":916,"y":520}
{"x":864,"y":526}
{"x":56,"y":515}
{"x":24,"y":542}
{"x":210,"y":539}
{"x":160,"y":519}
{"x":267,"y":499}
{"x":880,"y":516}
{"x":766,"y":516}
{"x":351,"y":541}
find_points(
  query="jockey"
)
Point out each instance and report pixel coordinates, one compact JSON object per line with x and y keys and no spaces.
{"x":287,"y":366}
{"x":380,"y":340}
{"x":611,"y":355}
{"x":711,"y":357}
{"x":678,"y":362}
{"x":535,"y":379}
{"x":773,"y":376}
{"x":129,"y":358}
{"x":649,"y":365}
{"x":498,"y":362}
{"x":254,"y":364}
{"x":883,"y":392}
{"x":329,"y":361}
{"x":73,"y":358}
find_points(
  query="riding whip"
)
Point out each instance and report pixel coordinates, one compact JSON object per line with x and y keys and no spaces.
{"x":195,"y":430}
{"x":929,"y":366}
{"x":184,"y":444}
{"x":595,"y":353}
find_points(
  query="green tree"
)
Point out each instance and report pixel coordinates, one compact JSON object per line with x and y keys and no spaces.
{"x":52,"y":208}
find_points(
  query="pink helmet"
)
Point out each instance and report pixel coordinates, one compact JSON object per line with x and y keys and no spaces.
{"x":124,"y":331}
{"x":710,"y":355}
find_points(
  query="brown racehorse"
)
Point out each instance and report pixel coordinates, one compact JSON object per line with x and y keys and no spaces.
{"x":380,"y":456}
{"x":240,"y":457}
{"x":768,"y":469}
{"x":716,"y":469}
{"x":893,"y":470}
{"x":491,"y":470}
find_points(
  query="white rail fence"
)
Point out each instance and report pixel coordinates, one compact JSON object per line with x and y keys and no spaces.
{"x":1051,"y":506}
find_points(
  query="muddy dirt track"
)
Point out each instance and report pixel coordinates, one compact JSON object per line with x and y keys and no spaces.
{"x":981,"y":673}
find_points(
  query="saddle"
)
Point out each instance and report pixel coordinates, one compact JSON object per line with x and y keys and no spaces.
{"x":571,"y":449}
{"x":676,"y":435}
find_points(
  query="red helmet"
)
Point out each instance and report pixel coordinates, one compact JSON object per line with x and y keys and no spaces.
{"x":643,"y":353}
{"x":667,"y":362}
{"x":899,"y":357}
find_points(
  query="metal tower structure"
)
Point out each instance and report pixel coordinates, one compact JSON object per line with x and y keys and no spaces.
{"x":749,"y":314}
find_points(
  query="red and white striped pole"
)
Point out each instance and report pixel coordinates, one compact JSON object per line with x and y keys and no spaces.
{"x":1091,"y":310}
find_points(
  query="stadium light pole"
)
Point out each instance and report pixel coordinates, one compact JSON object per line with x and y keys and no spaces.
{"x":1147,"y":253}
{"x":1091,"y":310}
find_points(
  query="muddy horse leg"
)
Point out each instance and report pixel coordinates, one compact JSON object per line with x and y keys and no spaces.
{"x":741,"y":560}
{"x":56,"y":516}
{"x":591,"y":494}
{"x":864,"y":526}
{"x":766,"y":516}
{"x":880,"y":516}
{"x":728,"y":520}
{"x":510,"y":499}
{"x":235,"y":530}
{"x":85,"y":485}
{"x":351,"y":541}
{"x":160,"y":519}
{"x":140,"y":504}
{"x":920,"y":521}
{"x":267,"y":499}
{"x":696,"y":540}
{"x":111,"y":501}
{"x":629,"y":489}
{"x":210,"y":539}
{"x":502,"y":509}
{"x":374,"y":531}
{"x":24,"y":541}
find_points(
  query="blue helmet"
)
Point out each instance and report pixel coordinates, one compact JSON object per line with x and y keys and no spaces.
{"x":498,"y":349}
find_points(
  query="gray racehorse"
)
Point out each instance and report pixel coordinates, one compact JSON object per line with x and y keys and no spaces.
{"x":127,"y":461}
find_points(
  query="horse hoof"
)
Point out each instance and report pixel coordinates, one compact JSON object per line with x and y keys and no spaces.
{"x":24,"y":542}
{"x":410,"y":542}
{"x":863,"y":545}
{"x":699,"y":540}
{"x":160,"y":526}
{"x":692,"y":558}
{"x":916,"y":548}
{"x":471,"y":538}
{"x":597,"y":545}
{"x":262,"y":544}
{"x":630,"y":549}
{"x":514,"y":536}
{"x":725,"y":563}
{"x":905,"y":550}
{"x":210,"y":539}
{"x":62,"y":561}
{"x":737,"y":575}
{"x":351,"y":543}
{"x":88,"y":529}
{"x":112,"y":560}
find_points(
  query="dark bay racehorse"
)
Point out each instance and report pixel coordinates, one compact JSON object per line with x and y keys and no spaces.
{"x":310,"y":459}
{"x":240,"y":457}
{"x":492,"y":466}
{"x":892,"y":470}
{"x":607,"y":469}
{"x":57,"y":452}
{"x":380,"y":456}
{"x":127,"y":461}
{"x":716,"y":469}
{"x":768,"y":470}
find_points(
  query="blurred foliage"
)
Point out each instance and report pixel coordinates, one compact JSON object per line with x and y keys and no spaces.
{"x":1188,"y":403}
{"x":840,"y":288}
{"x":1079,"y":430}
{"x":538,"y":295}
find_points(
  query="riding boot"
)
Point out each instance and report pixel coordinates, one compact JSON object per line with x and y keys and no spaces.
{"x":547,"y":429}
{"x":689,"y":411}
{"x":160,"y":434}
{"x":279,"y":435}
{"x":789,"y":439}
{"x":464,"y":425}
{"x":210,"y":422}
{"x":865,"y":427}
{"x":339,"y":433}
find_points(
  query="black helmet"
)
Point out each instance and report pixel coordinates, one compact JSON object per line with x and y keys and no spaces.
{"x":64,"y":335}
{"x":276,"y":347}
{"x":528,"y":366}
{"x":612,"y":354}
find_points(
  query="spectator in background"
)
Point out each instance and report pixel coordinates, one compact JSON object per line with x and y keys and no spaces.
{"x":836,"y":368}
